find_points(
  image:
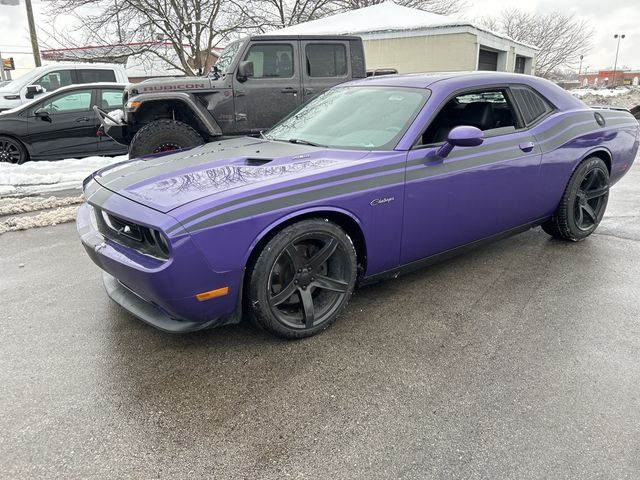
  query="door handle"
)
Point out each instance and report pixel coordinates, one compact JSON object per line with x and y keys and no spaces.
{"x":308,"y":91}
{"x":82,"y":119}
{"x":289,"y":90}
{"x":527,"y":146}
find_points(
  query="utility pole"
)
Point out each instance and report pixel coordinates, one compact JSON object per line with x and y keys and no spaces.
{"x":615,"y":63}
{"x":33,"y":34}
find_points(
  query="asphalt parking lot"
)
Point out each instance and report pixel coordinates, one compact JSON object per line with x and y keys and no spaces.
{"x":518,"y":360}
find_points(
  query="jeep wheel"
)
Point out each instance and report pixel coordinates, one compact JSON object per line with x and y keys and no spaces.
{"x":163,"y":136}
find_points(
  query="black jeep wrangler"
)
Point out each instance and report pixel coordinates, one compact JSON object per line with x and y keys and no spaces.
{"x":256,"y":82}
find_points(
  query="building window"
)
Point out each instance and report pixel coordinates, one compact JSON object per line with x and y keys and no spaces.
{"x":520,"y":64}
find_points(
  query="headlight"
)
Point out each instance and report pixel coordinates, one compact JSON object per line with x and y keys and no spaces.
{"x":12,"y":97}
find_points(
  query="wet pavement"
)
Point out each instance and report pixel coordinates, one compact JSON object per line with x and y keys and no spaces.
{"x":518,"y":360}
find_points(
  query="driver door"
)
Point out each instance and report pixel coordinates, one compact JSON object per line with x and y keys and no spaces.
{"x":69,"y":129}
{"x":475,"y":192}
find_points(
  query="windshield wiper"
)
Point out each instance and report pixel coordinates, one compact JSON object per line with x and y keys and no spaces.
{"x":305,"y":142}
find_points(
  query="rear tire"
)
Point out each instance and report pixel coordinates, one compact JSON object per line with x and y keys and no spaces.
{"x":12,"y":151}
{"x":583,"y":203}
{"x":163,"y":136}
{"x":302,"y":280}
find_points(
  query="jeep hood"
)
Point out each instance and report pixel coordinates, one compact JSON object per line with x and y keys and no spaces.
{"x":219,"y":169}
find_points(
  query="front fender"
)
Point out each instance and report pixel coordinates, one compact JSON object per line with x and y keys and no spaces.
{"x":147,"y":100}
{"x":277,"y":224}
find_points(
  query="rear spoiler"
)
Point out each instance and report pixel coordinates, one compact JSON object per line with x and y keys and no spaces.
{"x":635,"y":111}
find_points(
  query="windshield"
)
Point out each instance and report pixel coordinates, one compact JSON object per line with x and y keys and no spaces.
{"x":353,"y":117}
{"x":227,"y":56}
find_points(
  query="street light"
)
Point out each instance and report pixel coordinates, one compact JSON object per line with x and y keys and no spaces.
{"x":615,"y":63}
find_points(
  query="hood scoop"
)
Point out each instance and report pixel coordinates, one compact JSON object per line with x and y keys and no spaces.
{"x":256,"y":161}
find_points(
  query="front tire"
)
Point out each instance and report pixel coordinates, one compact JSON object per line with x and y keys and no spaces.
{"x":12,"y":151}
{"x":163,"y":136}
{"x":302,"y":280}
{"x":583,"y":203}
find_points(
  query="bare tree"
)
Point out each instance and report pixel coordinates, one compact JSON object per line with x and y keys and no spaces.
{"x":191,"y":28}
{"x":441,"y":7}
{"x":561,"y":38}
{"x":270,"y":14}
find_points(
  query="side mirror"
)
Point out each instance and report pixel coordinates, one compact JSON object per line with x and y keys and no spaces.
{"x":245,"y":71}
{"x":43,"y":114}
{"x":462,"y":136}
{"x":33,"y":90}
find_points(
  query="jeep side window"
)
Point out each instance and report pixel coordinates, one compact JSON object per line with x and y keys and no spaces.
{"x":54,"y":80}
{"x":326,"y":60}
{"x":271,"y":60}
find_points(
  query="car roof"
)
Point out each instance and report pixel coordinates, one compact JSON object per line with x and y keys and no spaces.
{"x":453,"y":81}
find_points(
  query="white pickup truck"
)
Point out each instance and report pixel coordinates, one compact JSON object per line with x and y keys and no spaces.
{"x":53,"y":76}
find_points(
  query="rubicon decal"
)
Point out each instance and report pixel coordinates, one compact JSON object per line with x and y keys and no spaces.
{"x":381,"y":201}
{"x":182,"y":86}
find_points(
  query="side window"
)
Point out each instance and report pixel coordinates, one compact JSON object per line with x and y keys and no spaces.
{"x":532,"y":105}
{"x":111,"y":99}
{"x":96,"y":76}
{"x":77,"y":101}
{"x":326,"y":60}
{"x":54,"y":80}
{"x":271,"y":61}
{"x":489,"y":110}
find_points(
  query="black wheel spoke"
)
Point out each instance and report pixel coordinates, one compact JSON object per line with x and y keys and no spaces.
{"x":596,"y":193}
{"x":283,"y":295}
{"x":580,"y":219}
{"x":294,"y":256}
{"x":591,"y":178}
{"x":589,"y":211}
{"x":330,"y":284}
{"x":324,"y":254}
{"x":309,"y":310}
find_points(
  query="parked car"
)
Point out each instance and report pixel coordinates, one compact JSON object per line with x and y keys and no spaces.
{"x":60,"y":125}
{"x":49,"y":78}
{"x":258,"y":81}
{"x":374,"y":178}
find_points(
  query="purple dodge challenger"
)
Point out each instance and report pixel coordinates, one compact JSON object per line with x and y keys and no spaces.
{"x":372,"y":178}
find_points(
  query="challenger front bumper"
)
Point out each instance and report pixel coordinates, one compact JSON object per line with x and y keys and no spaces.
{"x":162,"y":293}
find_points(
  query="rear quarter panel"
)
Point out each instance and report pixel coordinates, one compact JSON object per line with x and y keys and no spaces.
{"x":566,"y":138}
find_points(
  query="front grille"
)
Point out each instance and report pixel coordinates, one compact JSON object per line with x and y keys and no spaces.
{"x":147,"y":241}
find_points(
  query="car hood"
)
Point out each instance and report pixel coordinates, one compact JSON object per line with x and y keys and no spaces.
{"x":168,"y":181}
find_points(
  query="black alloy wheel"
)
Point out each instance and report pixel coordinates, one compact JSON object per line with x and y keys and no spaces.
{"x":591,"y":199}
{"x":12,"y":151}
{"x":303,"y":279}
{"x":583,"y":203}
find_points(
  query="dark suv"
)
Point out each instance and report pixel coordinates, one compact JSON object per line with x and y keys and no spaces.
{"x":256,"y":82}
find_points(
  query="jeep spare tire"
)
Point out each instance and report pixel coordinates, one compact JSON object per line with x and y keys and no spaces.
{"x":163,"y":136}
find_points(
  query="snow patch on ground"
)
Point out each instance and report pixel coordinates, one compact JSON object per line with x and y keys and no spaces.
{"x":13,"y":206}
{"x":43,"y":219}
{"x":603,"y":92}
{"x":39,"y":177}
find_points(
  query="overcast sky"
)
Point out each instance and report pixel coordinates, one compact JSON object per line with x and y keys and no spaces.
{"x":608,"y":17}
